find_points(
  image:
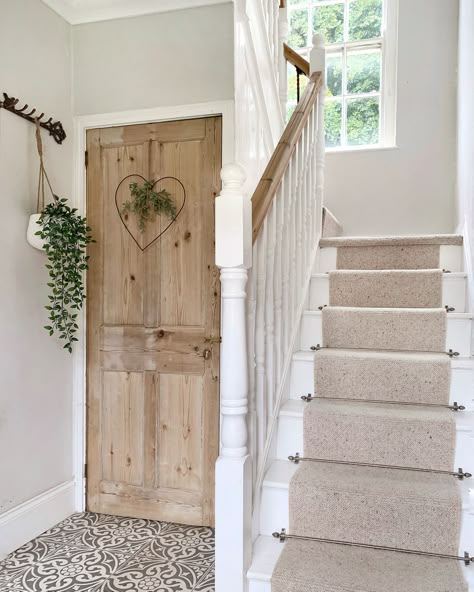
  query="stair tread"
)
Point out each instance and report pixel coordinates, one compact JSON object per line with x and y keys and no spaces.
{"x":369,"y":480}
{"x":455,"y":275}
{"x":295,"y":408}
{"x":304,"y":355}
{"x":377,"y":481}
{"x":311,"y":566}
{"x":369,"y":241}
{"x":392,"y":412}
{"x":374,"y":354}
{"x":450,"y":316}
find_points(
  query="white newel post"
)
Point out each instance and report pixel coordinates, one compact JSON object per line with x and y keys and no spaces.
{"x":234,"y":465}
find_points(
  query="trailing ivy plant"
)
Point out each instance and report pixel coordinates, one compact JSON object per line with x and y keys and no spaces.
{"x":147,"y":203}
{"x":66,"y":236}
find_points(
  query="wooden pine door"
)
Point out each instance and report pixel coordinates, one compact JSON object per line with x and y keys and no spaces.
{"x":153,"y":327}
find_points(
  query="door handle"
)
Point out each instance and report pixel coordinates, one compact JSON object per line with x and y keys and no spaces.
{"x":206,"y":354}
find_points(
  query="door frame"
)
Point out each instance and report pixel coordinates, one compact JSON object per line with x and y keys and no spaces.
{"x":79,"y":196}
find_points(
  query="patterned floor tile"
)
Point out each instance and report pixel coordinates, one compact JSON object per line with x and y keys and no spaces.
{"x":99,"y":553}
{"x":207,"y":582}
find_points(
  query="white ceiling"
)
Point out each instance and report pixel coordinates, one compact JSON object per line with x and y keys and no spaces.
{"x":86,"y":11}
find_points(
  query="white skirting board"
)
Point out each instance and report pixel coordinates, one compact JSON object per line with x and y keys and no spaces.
{"x":29,"y":519}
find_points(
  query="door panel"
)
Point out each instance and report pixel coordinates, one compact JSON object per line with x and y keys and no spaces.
{"x":152,"y":324}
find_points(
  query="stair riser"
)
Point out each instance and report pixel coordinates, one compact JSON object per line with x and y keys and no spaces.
{"x":462,"y":381}
{"x":454,"y":291}
{"x":458,"y":336}
{"x":451,"y":259}
{"x":290,"y":440}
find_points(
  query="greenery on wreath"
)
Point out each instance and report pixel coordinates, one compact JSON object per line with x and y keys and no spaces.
{"x":147,"y":203}
{"x":66,"y":236}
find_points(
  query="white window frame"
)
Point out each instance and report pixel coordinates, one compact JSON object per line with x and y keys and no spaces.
{"x":388,"y":81}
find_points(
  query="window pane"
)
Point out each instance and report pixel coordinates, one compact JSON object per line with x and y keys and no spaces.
{"x":334,"y":74}
{"x":329,"y":20}
{"x":298,"y":36}
{"x":365,"y":19}
{"x":292,"y":88}
{"x":363,"y":121}
{"x":291,"y":84}
{"x":290,"y":107}
{"x":333,"y":123}
{"x":363,"y":71}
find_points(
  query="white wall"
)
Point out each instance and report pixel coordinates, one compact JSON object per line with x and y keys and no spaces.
{"x":172,"y":58}
{"x":35,"y":392}
{"x":410,"y":189}
{"x":465,"y":145}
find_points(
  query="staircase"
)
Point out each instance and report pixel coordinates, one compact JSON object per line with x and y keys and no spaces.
{"x":383,"y":366}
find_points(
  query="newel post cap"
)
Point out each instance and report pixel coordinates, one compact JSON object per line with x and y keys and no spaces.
{"x":319,"y":40}
{"x":233,"y":176}
{"x":317,"y":56}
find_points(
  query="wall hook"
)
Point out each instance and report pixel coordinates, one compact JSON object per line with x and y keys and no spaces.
{"x":55,"y":128}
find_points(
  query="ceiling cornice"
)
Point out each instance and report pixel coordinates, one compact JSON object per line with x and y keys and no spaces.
{"x":88,"y":11}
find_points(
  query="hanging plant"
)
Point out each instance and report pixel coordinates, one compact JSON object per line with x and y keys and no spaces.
{"x":146,"y":203}
{"x":65,"y":235}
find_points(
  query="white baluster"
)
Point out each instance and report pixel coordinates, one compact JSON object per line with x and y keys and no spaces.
{"x":270,"y":312}
{"x":286,"y":246}
{"x":252,"y":416}
{"x":234,"y":467}
{"x":260,"y":383}
{"x":278,"y":282}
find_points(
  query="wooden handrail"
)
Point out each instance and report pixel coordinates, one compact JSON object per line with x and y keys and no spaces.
{"x":295,"y":59}
{"x":273,"y":174}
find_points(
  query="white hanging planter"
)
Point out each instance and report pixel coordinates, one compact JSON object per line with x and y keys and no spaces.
{"x":35,"y":241}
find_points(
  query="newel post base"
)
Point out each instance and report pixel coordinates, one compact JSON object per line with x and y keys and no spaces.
{"x":234,"y":467}
{"x":233,"y":523}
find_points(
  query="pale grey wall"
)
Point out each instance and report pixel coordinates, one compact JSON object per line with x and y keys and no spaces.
{"x":465,"y":168}
{"x":410,"y":189}
{"x":35,"y":372}
{"x":172,"y":58}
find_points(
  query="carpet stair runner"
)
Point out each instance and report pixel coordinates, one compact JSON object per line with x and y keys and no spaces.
{"x":379,"y":438}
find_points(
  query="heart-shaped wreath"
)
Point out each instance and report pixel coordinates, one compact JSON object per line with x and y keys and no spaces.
{"x":148,"y":200}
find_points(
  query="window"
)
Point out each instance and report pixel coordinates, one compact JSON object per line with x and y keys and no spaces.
{"x":360,"y":66}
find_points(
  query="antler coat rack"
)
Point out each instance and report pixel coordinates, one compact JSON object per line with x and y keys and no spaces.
{"x":55,"y":128}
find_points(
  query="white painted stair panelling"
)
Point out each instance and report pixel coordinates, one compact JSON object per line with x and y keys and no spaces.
{"x":454,"y":291}
{"x":451,"y":259}
{"x":266,"y":551}
{"x":458,"y":336}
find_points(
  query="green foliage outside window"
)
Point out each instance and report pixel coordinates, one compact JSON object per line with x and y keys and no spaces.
{"x":363,"y":73}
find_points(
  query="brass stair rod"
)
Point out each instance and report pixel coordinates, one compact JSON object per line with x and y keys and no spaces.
{"x":282,"y":536}
{"x":460,"y":473}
